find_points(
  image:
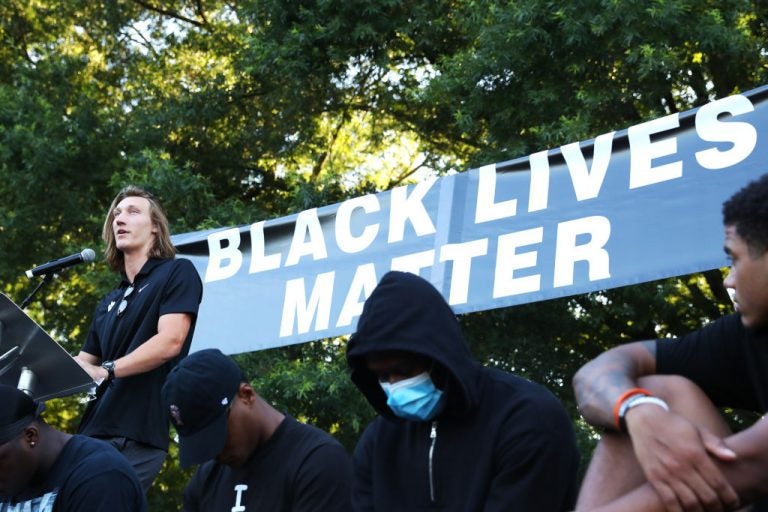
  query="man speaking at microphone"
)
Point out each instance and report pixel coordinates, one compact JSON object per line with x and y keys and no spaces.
{"x":139,"y":331}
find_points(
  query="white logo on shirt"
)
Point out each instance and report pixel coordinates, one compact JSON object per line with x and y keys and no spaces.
{"x":42,"y":503}
{"x":239,"y":489}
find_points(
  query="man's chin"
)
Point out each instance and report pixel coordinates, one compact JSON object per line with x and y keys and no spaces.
{"x":750,"y":322}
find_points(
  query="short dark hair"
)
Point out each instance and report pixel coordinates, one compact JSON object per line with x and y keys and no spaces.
{"x":747,"y":212}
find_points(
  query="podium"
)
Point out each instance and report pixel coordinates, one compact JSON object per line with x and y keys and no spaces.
{"x":32,"y":361}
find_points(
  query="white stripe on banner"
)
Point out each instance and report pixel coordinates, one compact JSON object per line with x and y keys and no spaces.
{"x":626,"y":207}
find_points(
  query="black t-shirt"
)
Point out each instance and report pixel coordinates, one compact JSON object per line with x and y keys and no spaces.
{"x":88,"y":475}
{"x":300,"y":468}
{"x":727,"y":360}
{"x":132,"y":406}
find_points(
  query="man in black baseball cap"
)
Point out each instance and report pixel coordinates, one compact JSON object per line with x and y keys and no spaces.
{"x":199,"y":395}
{"x":42,"y":468}
{"x":252,"y":456}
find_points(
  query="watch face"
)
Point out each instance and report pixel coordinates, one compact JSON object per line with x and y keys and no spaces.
{"x":110,"y":367}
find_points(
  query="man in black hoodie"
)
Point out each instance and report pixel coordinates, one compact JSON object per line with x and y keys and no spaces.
{"x":451,"y":434}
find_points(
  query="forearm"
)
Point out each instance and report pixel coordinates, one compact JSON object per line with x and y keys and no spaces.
{"x":90,"y":363}
{"x":642,"y":499}
{"x":747,"y":472}
{"x":156,"y":351}
{"x":599,"y":383}
{"x":745,"y":477}
{"x":172,"y":330}
{"x":151,"y":354}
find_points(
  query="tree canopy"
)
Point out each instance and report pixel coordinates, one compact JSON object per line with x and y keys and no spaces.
{"x":233,"y":112}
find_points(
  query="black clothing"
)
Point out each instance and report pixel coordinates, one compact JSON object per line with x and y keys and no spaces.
{"x":501,"y":442}
{"x":88,"y":475}
{"x":728,"y":361}
{"x":131,"y":406}
{"x":146,"y":461}
{"x":725,"y":359}
{"x":300,"y":468}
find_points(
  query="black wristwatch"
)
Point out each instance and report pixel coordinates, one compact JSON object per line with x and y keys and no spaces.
{"x":110,"y":367}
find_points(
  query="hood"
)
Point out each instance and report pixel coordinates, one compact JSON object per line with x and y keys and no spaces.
{"x":407,"y":313}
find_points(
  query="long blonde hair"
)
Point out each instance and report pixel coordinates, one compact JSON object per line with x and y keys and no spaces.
{"x":162,"y":248}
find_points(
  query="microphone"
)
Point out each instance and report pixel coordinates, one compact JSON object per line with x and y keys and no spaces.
{"x":87,"y":255}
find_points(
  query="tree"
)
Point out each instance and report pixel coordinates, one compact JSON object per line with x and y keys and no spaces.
{"x":234,"y":112}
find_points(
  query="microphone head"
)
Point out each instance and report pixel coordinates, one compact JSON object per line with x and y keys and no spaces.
{"x":88,"y":255}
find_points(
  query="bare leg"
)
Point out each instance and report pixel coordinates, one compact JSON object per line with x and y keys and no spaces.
{"x":614,"y":471}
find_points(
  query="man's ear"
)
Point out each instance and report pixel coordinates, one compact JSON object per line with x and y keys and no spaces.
{"x":246,"y":392}
{"x":31,"y":435}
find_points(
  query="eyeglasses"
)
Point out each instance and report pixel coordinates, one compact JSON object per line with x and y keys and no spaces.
{"x":124,"y":302}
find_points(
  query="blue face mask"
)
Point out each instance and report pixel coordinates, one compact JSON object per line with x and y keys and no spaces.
{"x":415,"y":398}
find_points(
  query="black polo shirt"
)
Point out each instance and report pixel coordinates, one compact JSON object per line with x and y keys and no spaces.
{"x":132,"y":406}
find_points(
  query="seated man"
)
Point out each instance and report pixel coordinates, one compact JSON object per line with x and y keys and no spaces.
{"x":666,"y":446}
{"x":451,"y":434}
{"x":253,"y":457}
{"x":43,"y":469}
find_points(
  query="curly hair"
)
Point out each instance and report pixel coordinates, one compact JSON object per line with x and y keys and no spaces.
{"x":163,"y":247}
{"x":747,"y":211}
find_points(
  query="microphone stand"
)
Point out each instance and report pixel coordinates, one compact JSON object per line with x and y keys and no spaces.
{"x":47,"y":278}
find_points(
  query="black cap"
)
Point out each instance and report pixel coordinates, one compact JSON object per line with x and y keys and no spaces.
{"x":198,"y":393}
{"x":17,"y":411}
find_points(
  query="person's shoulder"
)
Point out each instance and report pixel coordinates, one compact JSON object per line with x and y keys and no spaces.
{"x":310,"y":433}
{"x":526,"y":414}
{"x":519,"y":393}
{"x":90,"y":459}
{"x":513,"y":382}
{"x":95,"y":452}
{"x":181,"y":262}
{"x":308,"y":442}
{"x":174,"y":264}
{"x":93,"y":468}
{"x":731,"y":321}
{"x":183,"y":267}
{"x":204,"y":472}
{"x":175,"y":271}
{"x":722,"y":330}
{"x":316,"y":452}
{"x":89,"y":446}
{"x":371,"y":433}
{"x":731,"y":327}
{"x":208,"y":479}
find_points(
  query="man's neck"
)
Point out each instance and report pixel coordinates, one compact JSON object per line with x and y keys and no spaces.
{"x":51,"y":445}
{"x":133,"y":264}
{"x":268,"y":419}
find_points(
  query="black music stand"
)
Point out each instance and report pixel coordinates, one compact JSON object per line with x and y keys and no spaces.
{"x":32,"y":361}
